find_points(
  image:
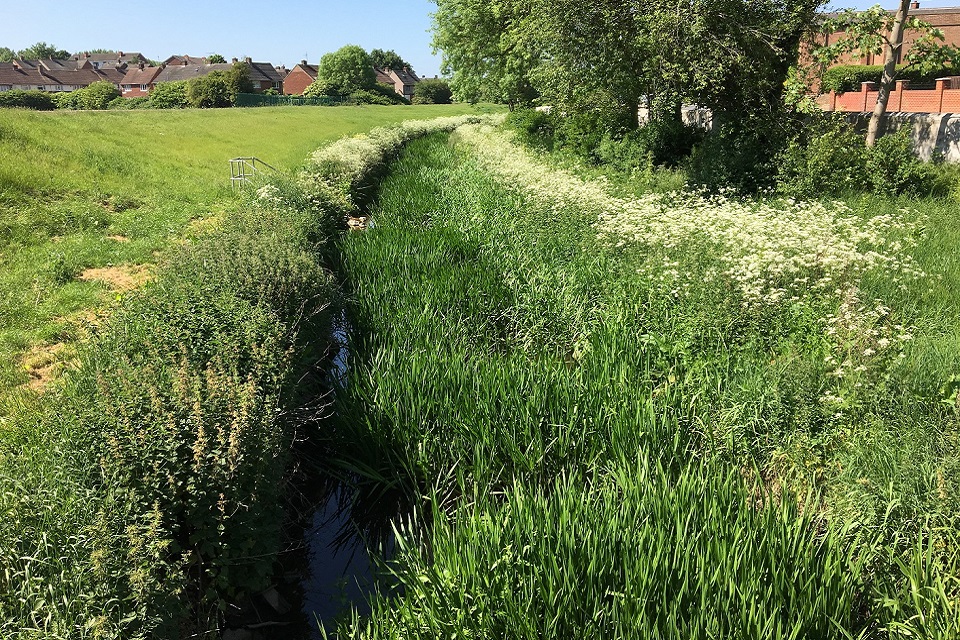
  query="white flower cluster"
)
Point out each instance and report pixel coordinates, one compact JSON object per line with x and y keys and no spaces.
{"x":770,"y":250}
{"x":269,"y":194}
{"x":348,"y":160}
{"x":863,"y":336}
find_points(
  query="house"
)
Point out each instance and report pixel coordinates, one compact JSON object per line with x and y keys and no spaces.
{"x":139,"y":81}
{"x":299,"y":78}
{"x":184,"y":59}
{"x":54,"y":75}
{"x":264,"y":75}
{"x":403,"y":81}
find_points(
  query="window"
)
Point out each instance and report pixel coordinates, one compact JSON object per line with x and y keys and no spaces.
{"x":144,"y":87}
{"x":277,"y":85}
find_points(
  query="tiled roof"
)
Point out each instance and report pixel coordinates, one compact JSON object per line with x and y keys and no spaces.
{"x":178,"y":72}
{"x":32,"y":72}
{"x":146,"y":75}
{"x":383,"y":76}
{"x":309,"y":69}
{"x":264,"y":71}
{"x":194,"y":60}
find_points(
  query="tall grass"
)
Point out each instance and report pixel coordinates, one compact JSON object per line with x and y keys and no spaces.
{"x":568,"y":445}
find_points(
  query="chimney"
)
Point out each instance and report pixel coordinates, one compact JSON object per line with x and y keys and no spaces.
{"x":914,"y":5}
{"x":119,"y":54}
{"x":185,"y":60}
{"x":248,"y":60}
{"x":140,"y":65}
{"x":303,"y":62}
{"x":234,"y":61}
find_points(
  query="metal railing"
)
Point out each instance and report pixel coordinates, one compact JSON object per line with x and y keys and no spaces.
{"x":242,"y":169}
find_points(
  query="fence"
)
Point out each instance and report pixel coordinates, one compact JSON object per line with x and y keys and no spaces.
{"x":943,"y":98}
{"x":261,"y":100}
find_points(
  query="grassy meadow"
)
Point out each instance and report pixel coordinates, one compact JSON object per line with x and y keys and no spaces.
{"x":88,"y":198}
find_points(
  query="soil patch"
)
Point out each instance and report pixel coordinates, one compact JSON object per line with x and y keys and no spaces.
{"x":118,"y":238}
{"x":123,"y":277}
{"x":44,"y":364}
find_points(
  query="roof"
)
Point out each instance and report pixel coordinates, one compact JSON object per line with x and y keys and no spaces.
{"x":264,"y":71}
{"x":32,"y":72}
{"x":383,"y":76}
{"x":194,"y":60}
{"x":180,"y":72}
{"x":390,"y":76}
{"x":109,"y":59}
{"x":144,"y":75}
{"x":309,"y":69}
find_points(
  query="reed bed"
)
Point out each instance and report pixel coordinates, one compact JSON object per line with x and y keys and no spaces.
{"x":560,"y":445}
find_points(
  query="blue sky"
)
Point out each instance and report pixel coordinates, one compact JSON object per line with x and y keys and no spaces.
{"x":277,"y":31}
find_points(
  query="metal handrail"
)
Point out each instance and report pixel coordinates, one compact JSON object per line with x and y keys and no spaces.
{"x":245,"y":167}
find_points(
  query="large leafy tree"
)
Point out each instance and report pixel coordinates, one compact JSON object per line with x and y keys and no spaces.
{"x":489,"y":46}
{"x":343,"y":72}
{"x":7,"y":54}
{"x":388,"y":60}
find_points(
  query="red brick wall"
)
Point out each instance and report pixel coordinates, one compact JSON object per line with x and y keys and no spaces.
{"x":939,"y":100}
{"x":296,"y":82}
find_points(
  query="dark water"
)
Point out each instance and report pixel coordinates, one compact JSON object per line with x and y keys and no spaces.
{"x":339,"y":577}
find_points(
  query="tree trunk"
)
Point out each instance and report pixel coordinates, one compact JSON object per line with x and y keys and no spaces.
{"x":891,"y":48}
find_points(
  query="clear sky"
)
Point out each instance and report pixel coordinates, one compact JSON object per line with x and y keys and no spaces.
{"x":277,"y":31}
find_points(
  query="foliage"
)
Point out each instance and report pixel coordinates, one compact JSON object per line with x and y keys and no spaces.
{"x":169,"y":95}
{"x":216,"y":58}
{"x":388,"y":60}
{"x":37,"y":100}
{"x":544,"y":375}
{"x":432,"y":91}
{"x":831,"y":158}
{"x":139,"y":102}
{"x":176,"y":427}
{"x":344,"y":71}
{"x":486,"y":48}
{"x":42,"y":51}
{"x":7,"y":54}
{"x":97,"y":95}
{"x":219,"y":88}
{"x":532,"y":127}
{"x":841,"y":78}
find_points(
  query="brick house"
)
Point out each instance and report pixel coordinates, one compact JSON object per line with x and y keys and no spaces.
{"x":299,"y":78}
{"x":139,"y":81}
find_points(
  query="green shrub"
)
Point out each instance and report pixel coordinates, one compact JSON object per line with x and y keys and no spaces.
{"x":37,"y":100}
{"x":98,"y":95}
{"x":432,"y":91}
{"x":169,"y":95}
{"x":849,"y":77}
{"x":831,"y":158}
{"x":742,"y":156}
{"x":68,"y":100}
{"x":657,"y":143}
{"x":368,"y":97}
{"x":209,"y":91}
{"x":140,"y":102}
{"x":532,"y":127}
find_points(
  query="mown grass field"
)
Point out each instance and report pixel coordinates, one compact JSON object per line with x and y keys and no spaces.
{"x":106,"y":190}
{"x":643,"y":416}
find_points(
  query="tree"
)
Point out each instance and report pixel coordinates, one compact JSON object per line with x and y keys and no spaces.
{"x":432,"y":91}
{"x":877,"y":31}
{"x":489,"y":48}
{"x":388,"y":60}
{"x":43,"y":51}
{"x":7,"y":54}
{"x":216,"y":58}
{"x":342,"y":72}
{"x":209,"y":91}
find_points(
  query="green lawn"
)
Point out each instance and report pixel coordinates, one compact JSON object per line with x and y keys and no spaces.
{"x":85,"y":190}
